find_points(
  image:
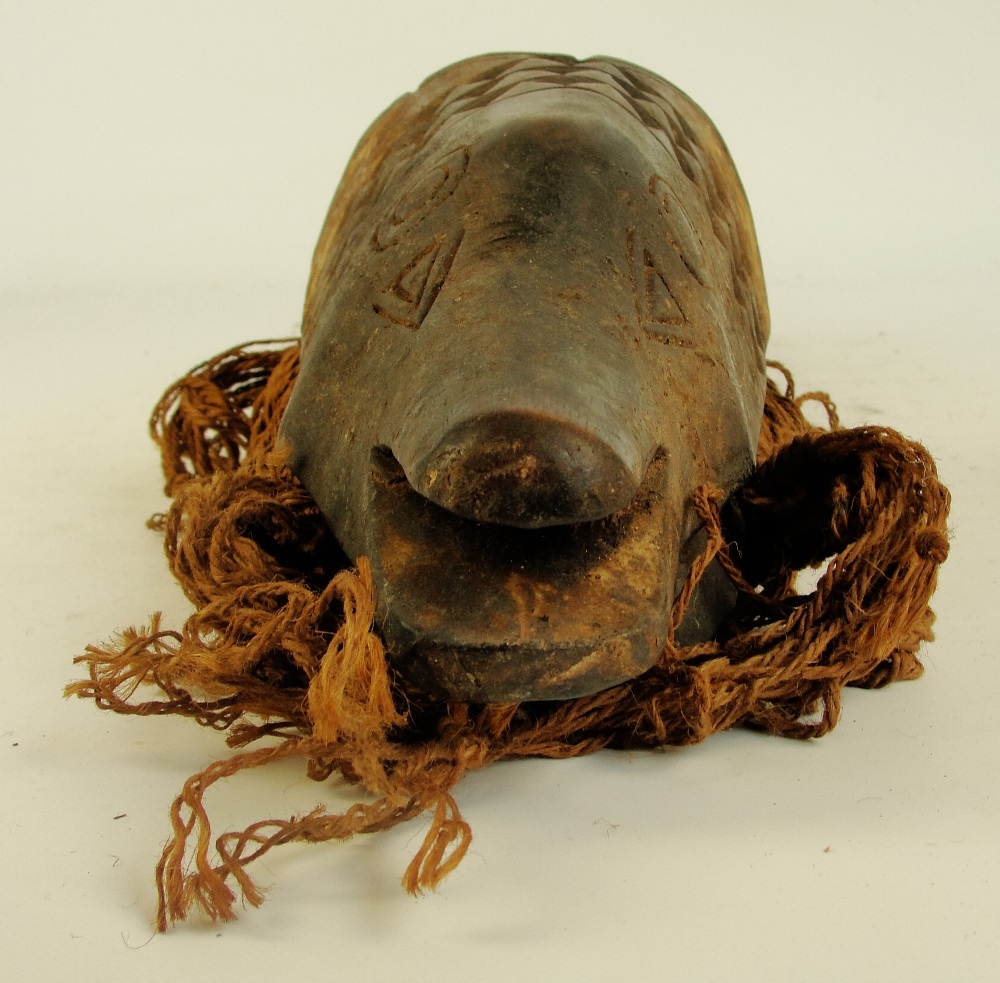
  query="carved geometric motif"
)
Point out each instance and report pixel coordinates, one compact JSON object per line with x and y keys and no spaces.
{"x":420,"y":198}
{"x":410,"y":295}
{"x":657,"y":306}
{"x":661,"y":306}
{"x":679,"y":230}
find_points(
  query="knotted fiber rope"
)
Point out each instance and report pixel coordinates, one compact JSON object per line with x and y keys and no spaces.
{"x":281,"y":653}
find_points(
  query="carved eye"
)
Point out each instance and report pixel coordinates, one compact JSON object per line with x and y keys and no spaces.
{"x":420,"y":198}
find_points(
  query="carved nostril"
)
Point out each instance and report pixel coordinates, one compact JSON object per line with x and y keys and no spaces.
{"x":526,"y":470}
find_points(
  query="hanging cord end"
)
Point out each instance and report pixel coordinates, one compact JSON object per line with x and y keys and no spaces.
{"x":444,"y":846}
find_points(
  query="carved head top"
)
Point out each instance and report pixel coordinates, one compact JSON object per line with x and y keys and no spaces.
{"x":535,"y":323}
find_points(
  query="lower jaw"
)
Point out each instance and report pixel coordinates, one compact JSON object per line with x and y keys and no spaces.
{"x":472,"y":612}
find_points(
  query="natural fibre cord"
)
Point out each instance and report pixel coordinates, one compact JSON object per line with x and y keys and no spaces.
{"x":281,"y":650}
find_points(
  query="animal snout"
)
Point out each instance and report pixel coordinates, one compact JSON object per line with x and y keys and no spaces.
{"x":524,"y":469}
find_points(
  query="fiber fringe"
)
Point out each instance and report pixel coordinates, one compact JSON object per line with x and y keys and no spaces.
{"x":281,"y":649}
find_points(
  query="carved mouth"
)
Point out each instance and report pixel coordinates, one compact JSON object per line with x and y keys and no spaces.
{"x":489,"y":613}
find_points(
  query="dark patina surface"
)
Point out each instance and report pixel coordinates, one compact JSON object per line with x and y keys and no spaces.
{"x":535,"y":323}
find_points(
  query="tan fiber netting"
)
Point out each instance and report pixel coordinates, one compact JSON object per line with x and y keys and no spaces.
{"x":281,"y":652}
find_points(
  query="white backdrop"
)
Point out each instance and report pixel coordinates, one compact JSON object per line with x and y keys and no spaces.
{"x":165,"y":168}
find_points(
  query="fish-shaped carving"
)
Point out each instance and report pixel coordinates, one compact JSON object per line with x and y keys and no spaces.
{"x":535,"y":323}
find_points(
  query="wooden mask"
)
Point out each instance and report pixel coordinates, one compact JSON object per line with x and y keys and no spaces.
{"x":535,"y":324}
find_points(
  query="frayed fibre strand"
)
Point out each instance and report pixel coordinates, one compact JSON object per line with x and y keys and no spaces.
{"x":281,"y":649}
